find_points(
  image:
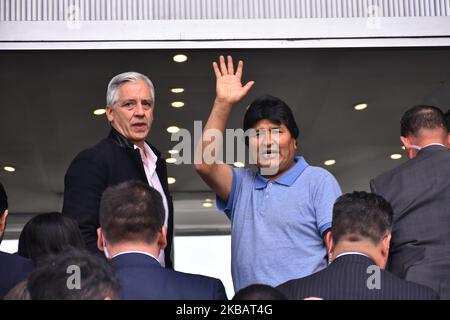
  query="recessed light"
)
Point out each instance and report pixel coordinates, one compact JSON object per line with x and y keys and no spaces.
{"x":180,"y":58}
{"x":396,"y":156}
{"x":238,"y":164}
{"x":177,"y":90}
{"x":173,"y":151}
{"x":329,"y":162}
{"x":177,"y":104}
{"x":403,"y":148}
{"x":171,"y":180}
{"x":171,"y":160}
{"x":207,"y":204}
{"x":208,"y":200}
{"x":9,"y":168}
{"x":173,"y":129}
{"x":360,"y":106}
{"x":99,"y":111}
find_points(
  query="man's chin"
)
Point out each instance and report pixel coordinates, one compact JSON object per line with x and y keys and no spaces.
{"x":268,"y":168}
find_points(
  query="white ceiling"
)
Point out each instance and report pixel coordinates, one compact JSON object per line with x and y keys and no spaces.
{"x":48,"y":97}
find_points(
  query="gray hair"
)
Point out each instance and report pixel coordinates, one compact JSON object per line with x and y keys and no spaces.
{"x":120,"y":79}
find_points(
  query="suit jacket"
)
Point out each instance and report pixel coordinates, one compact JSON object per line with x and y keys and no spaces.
{"x":13,"y":269}
{"x":143,"y":278}
{"x":112,"y":161}
{"x":347,"y":278}
{"x":419,"y":192}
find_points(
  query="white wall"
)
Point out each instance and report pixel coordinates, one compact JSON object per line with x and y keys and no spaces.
{"x":206,"y":255}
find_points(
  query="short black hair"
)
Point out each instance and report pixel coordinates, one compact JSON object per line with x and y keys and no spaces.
{"x":421,"y":117}
{"x":259,"y":292}
{"x":447,"y":119}
{"x":271,"y":108}
{"x":48,"y":234}
{"x":131,"y":211}
{"x":361,"y":215}
{"x":56,"y":278}
{"x":3,"y":200}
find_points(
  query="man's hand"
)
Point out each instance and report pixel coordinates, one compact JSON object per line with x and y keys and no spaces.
{"x":229,"y":89}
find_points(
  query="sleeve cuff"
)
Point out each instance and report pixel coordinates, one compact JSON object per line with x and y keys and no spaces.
{"x":324,"y":228}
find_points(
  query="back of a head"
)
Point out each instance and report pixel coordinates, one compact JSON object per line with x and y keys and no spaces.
{"x":423,"y":118}
{"x":259,"y":292}
{"x":49,"y":234}
{"x":3,"y":200}
{"x":74,"y":275}
{"x":270,"y":108}
{"x":131,"y":212}
{"x":359,"y":216}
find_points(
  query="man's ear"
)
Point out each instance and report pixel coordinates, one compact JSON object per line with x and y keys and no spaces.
{"x":162,"y":238}
{"x":385,"y":245}
{"x":99,"y":239}
{"x":3,"y":221}
{"x":329,"y":241}
{"x":109,"y":113}
{"x":405,"y":141}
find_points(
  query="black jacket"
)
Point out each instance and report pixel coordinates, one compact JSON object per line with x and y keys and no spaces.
{"x":419,"y":192}
{"x":347,"y":278}
{"x":113,"y":160}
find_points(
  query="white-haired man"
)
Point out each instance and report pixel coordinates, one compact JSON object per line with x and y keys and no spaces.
{"x":124,"y":155}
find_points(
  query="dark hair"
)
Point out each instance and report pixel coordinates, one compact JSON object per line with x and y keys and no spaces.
{"x":421,"y":117}
{"x":361,"y":215}
{"x":447,"y":119}
{"x":3,"y":200}
{"x":48,"y":233}
{"x":270,"y":108}
{"x":57,"y":278}
{"x":131,"y":211}
{"x":259,"y":292}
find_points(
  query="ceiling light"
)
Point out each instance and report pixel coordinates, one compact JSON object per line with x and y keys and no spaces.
{"x":177,"y":104}
{"x":171,"y":160}
{"x":171,"y":180}
{"x":207,"y":204}
{"x":173,"y":129}
{"x":238,"y":164}
{"x":9,"y":168}
{"x":173,"y":151}
{"x":329,"y":162}
{"x":396,"y":156}
{"x":177,"y":90}
{"x":403,"y":148}
{"x":208,"y":200}
{"x":360,"y":106}
{"x":180,"y":58}
{"x":99,"y":112}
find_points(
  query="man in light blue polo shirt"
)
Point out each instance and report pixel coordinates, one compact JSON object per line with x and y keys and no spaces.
{"x":279,"y":218}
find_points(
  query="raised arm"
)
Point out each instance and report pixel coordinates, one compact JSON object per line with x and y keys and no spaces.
{"x":229,"y":91}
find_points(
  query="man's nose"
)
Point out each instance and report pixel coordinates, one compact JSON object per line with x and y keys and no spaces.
{"x":139,"y":110}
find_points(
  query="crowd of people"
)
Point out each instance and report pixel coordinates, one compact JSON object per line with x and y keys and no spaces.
{"x":294,"y":235}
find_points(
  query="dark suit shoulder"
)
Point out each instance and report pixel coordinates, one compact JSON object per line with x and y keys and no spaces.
{"x":409,"y":290}
{"x":429,"y":155}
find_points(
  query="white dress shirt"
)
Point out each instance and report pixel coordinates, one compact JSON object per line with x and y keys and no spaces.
{"x":149,"y":160}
